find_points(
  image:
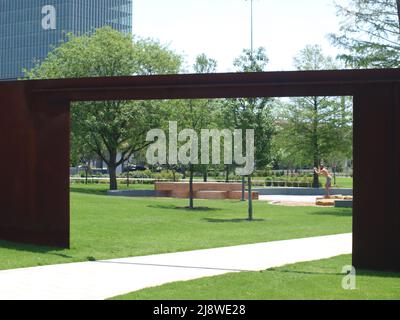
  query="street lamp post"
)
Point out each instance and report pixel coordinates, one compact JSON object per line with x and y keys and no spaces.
{"x":252,"y":26}
{"x":249,"y":194}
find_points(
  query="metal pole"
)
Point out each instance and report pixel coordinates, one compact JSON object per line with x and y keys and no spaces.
{"x":252,"y":27}
{"x":243,"y":189}
{"x":250,"y":198}
{"x":251,"y":51}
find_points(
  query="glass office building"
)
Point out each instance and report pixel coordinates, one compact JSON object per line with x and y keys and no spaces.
{"x":29,"y":29}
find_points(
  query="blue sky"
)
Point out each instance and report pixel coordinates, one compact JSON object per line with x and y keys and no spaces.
{"x":221,"y":28}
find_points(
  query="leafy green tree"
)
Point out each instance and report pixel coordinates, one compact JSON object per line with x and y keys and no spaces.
{"x":252,"y":113}
{"x":316,"y":128}
{"x":369,"y":32}
{"x":205,"y":64}
{"x":255,"y":113}
{"x":81,"y":155}
{"x":196,"y":114}
{"x":113,"y":130}
{"x":284,"y":156}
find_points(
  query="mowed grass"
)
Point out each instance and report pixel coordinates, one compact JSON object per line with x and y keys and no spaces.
{"x":318,"y":280}
{"x":104,"y":227}
{"x":344,"y":182}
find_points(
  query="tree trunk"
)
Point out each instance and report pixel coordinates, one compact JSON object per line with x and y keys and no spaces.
{"x":205,"y":174}
{"x":334,"y":175}
{"x":191,"y":193}
{"x":112,"y":170}
{"x":316,"y":177}
{"x":315,"y":144}
{"x":227,"y":173}
{"x":243,"y":189}
{"x":250,"y":200}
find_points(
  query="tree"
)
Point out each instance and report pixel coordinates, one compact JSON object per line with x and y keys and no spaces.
{"x":81,"y":155}
{"x":205,"y":64}
{"x":196,"y":114}
{"x":369,"y":32}
{"x":316,"y":128}
{"x":113,"y":130}
{"x":285,"y":157}
{"x":252,"y":113}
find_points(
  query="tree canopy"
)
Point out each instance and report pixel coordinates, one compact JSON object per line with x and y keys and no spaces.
{"x":369,"y":33}
{"x":113,"y":130}
{"x":315,"y":129}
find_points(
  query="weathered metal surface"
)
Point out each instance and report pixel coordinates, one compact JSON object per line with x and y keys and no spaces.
{"x":34,"y":142}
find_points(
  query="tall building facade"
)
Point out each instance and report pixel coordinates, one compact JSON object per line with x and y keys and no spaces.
{"x":29,"y":29}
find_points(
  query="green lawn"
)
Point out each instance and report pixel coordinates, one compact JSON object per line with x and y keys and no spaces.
{"x":321,"y":280}
{"x":109,"y":227}
{"x":344,"y":182}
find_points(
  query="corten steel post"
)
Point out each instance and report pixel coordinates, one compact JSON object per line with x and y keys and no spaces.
{"x":376,"y":211}
{"x":34,"y":142}
{"x":34,"y":146}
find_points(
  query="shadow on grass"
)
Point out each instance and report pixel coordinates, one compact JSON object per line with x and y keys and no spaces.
{"x":338,"y":212}
{"x":359,"y":273}
{"x":173,"y":207}
{"x":381,"y":274}
{"x":213,"y":220}
{"x":34,"y":249}
{"x":306,"y":272}
{"x":88,"y":191}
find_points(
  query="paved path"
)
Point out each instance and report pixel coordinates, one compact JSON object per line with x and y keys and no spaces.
{"x":105,"y":279}
{"x":290,"y":200}
{"x":310,"y":199}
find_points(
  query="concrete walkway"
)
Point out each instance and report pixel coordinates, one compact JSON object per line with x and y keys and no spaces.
{"x":109,"y":278}
{"x":288,"y":198}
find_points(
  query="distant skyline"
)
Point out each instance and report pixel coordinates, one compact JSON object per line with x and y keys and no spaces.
{"x":221,"y":28}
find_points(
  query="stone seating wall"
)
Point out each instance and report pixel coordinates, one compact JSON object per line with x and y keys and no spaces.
{"x":202,"y":190}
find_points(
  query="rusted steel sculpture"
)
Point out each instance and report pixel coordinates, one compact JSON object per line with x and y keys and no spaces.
{"x":34,"y":142}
